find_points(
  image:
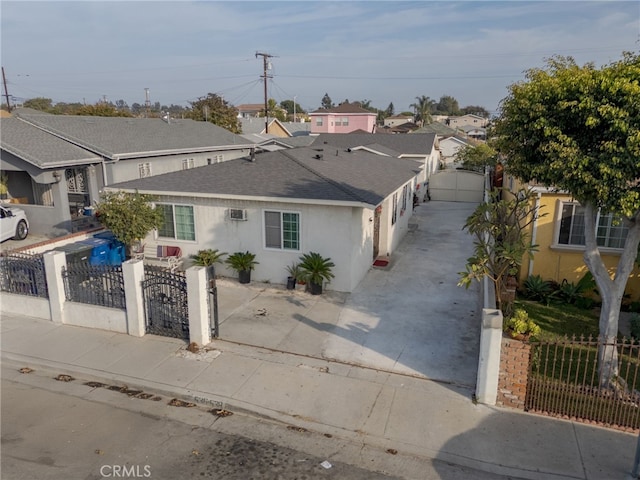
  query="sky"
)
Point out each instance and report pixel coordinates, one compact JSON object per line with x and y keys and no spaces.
{"x":381,"y":51}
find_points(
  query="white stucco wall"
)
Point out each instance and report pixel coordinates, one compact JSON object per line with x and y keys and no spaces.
{"x":37,"y":307}
{"x":92,"y":316}
{"x":332,"y":231}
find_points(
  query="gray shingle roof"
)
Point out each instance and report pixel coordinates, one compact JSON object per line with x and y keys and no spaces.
{"x":358,"y":177}
{"x":121,"y":137}
{"x":40,"y":148}
{"x":409,"y":144}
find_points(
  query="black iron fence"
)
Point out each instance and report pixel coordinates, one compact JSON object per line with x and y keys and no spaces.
{"x":165,"y":302}
{"x":101,"y":285}
{"x":587,"y":379}
{"x":23,"y":274}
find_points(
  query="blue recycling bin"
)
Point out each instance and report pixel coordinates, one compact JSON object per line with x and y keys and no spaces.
{"x":116,"y":255}
{"x":100,"y":251}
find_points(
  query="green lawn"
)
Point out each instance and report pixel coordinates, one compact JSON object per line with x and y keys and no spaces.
{"x":558,"y":320}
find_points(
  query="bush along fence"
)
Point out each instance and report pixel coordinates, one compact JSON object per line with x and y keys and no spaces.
{"x":126,"y":299}
{"x":561,"y":378}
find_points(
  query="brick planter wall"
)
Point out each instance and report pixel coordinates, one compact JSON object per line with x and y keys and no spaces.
{"x":514,"y":371}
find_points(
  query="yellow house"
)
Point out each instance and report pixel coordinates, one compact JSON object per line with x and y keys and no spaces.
{"x":559,"y":234}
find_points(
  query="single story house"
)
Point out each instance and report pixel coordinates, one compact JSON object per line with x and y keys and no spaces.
{"x":344,"y":118}
{"x":395,"y":120}
{"x":349,"y":206}
{"x":62,"y":161}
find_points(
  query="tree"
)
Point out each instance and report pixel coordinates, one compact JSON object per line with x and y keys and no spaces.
{"x":130,"y":216}
{"x":476,"y":157}
{"x":475,"y":110}
{"x":389,"y":112}
{"x":422,"y":110}
{"x":102,"y":109}
{"x":448,"y":105}
{"x":500,"y":227}
{"x":214,"y":109}
{"x":38,"y":103}
{"x":275,"y":111}
{"x":326,"y":102}
{"x":577,"y":128}
{"x":288,"y":105}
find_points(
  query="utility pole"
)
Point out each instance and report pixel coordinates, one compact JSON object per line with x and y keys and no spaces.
{"x":6,"y":92}
{"x":147,"y":102}
{"x":294,"y":108}
{"x":266,"y":66}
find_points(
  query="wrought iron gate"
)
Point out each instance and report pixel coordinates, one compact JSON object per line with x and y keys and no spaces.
{"x":165,"y":302}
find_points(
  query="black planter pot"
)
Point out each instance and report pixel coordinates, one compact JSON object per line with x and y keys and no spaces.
{"x":244,"y":276}
{"x":291,"y":283}
{"x":315,"y":288}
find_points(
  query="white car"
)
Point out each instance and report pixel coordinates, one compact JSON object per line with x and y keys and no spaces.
{"x":13,"y":224}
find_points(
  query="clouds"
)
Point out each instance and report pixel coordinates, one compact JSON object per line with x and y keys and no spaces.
{"x":381,"y":51}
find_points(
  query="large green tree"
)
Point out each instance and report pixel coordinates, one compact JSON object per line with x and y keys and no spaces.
{"x":326,"y":102}
{"x":130,"y":216}
{"x":577,"y":129}
{"x":476,"y":157}
{"x":448,"y":105}
{"x":216,"y":110}
{"x":422,"y":110}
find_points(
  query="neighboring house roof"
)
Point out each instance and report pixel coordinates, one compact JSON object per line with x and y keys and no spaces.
{"x":437,"y":127}
{"x":123,"y":137}
{"x":343,"y":108}
{"x":297,"y":129}
{"x":250,"y":107}
{"x":255,"y":125}
{"x":455,"y":139}
{"x":345,"y":178}
{"x":41,"y":148}
{"x":410,"y":144}
{"x":470,"y":128}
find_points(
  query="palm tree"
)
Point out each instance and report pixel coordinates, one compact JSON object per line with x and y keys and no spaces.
{"x":422,"y":109}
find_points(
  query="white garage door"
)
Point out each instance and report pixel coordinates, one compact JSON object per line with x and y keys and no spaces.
{"x":457,"y":186}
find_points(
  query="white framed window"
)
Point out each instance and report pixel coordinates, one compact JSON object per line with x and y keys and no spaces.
{"x":178,"y":222}
{"x":318,"y":121}
{"x":144,"y":169}
{"x":610,"y":231}
{"x":282,"y":230}
{"x":405,"y":192}
{"x":187,"y":163}
{"x":345,"y":121}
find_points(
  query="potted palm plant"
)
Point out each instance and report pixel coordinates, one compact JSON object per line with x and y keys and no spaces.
{"x":208,"y":258}
{"x":243,"y":263}
{"x":315,"y":270}
{"x":294,"y":274}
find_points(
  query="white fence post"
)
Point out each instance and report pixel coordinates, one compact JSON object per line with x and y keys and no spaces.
{"x":133,"y":274}
{"x":199,"y":328}
{"x":489,"y":361}
{"x":53,"y":265}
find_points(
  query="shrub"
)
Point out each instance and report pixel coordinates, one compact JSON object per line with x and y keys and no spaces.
{"x":520,"y":324}
{"x":208,"y":257}
{"x":535,"y":288}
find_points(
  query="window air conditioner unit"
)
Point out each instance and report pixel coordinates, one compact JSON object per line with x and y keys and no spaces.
{"x":237,"y":214}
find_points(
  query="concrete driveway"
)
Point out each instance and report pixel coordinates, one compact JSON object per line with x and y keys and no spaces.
{"x":409,"y":317}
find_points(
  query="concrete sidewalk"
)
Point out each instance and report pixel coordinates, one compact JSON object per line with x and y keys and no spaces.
{"x":414,"y":416}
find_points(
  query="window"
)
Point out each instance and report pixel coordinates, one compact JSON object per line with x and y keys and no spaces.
{"x":345,"y":121}
{"x":144,"y":170}
{"x":215,"y":159}
{"x":318,"y":121}
{"x":187,"y":163}
{"x":178,"y":222}
{"x":394,"y":208}
{"x":282,"y":230}
{"x":405,"y":191}
{"x":610,"y":232}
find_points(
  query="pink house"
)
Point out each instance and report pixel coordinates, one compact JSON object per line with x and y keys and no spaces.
{"x":345,"y":118}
